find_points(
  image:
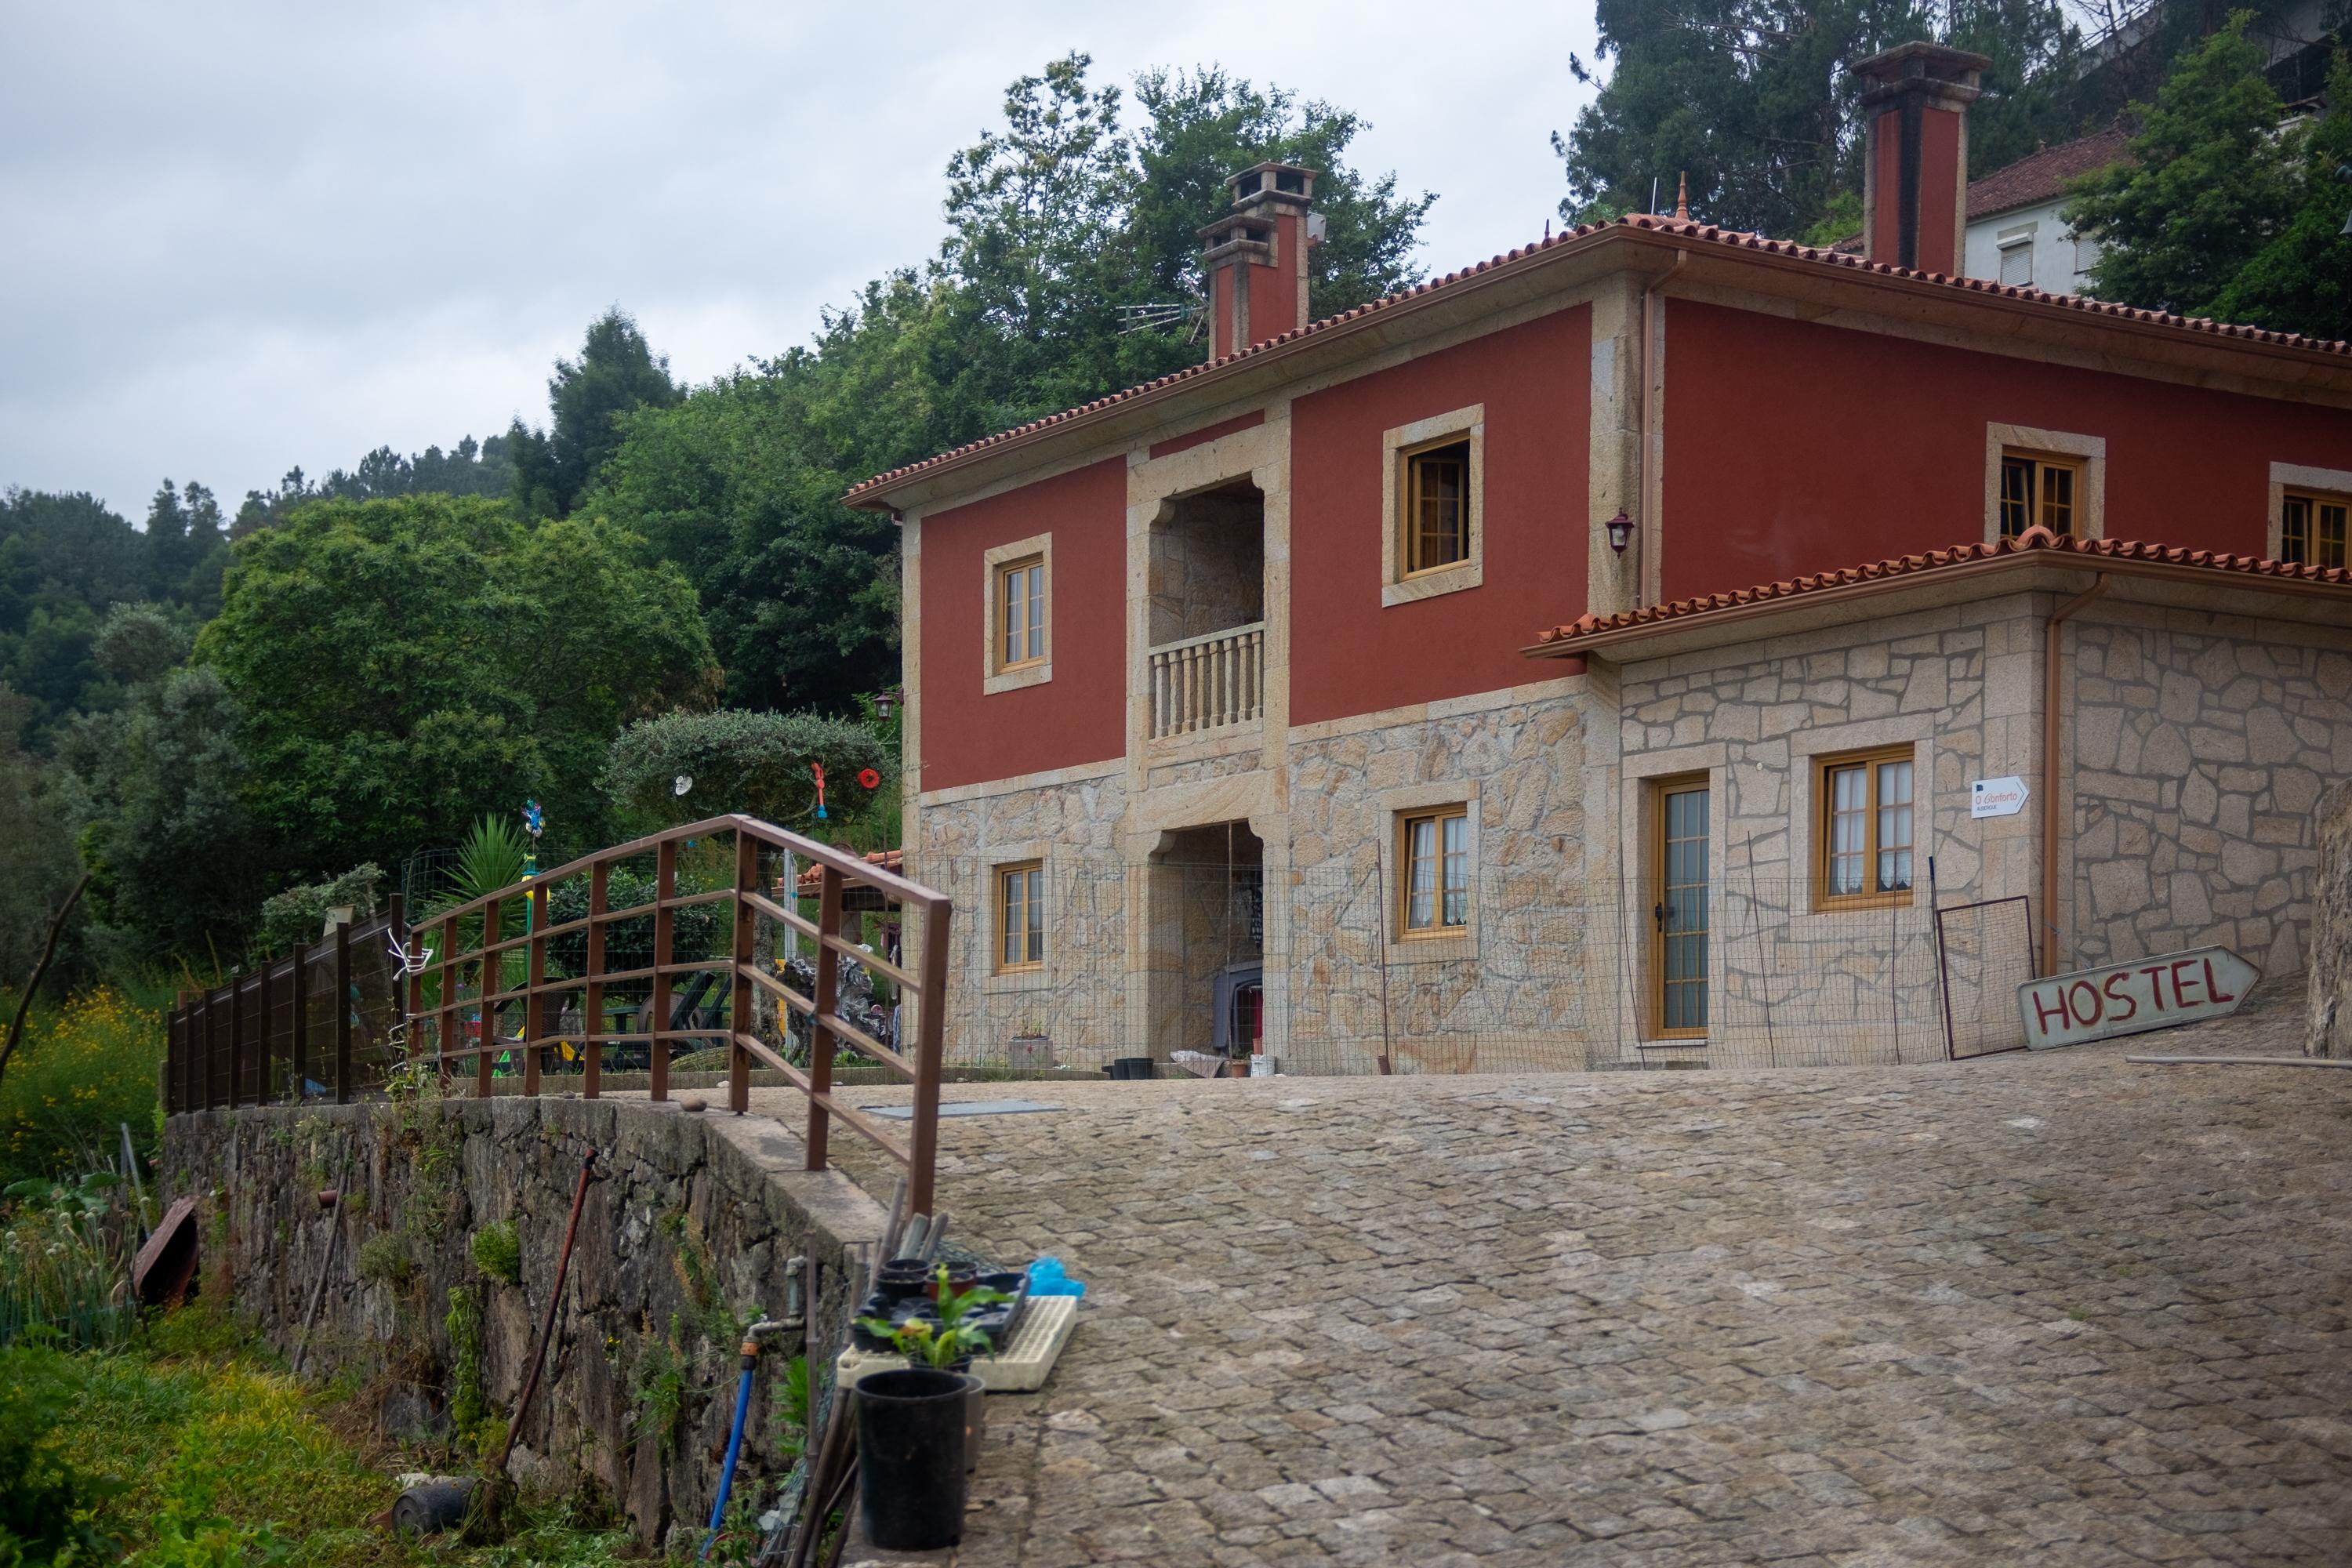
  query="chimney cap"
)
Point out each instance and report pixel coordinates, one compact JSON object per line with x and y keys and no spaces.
{"x":1919,"y":59}
{"x":1272,"y":181}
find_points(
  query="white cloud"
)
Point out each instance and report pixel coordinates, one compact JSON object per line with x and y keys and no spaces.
{"x":238,"y":237}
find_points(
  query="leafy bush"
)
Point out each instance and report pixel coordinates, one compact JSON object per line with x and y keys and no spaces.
{"x":698,"y":930}
{"x":45,"y":1498}
{"x":497,"y":1254}
{"x":742,"y":760}
{"x":494,"y":856}
{"x":83,"y":1070}
{"x":300,"y":914}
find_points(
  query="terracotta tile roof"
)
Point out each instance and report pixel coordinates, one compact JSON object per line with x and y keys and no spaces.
{"x":2043,"y":176}
{"x":1683,"y":231}
{"x":1905,"y":570}
{"x":891,"y":860}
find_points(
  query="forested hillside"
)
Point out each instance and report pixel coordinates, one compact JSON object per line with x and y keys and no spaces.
{"x":204,"y":710}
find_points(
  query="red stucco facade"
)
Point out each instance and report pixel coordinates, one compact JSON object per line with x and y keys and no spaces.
{"x":1349,"y":655}
{"x":1078,"y":717}
{"x":1793,"y":446}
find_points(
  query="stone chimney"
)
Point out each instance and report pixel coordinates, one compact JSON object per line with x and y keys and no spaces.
{"x":1914,"y":182}
{"x":1256,"y":258}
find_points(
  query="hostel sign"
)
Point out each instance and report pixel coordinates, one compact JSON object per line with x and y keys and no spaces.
{"x":2127,"y":998}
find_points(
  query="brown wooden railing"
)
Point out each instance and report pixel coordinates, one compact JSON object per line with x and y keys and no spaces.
{"x":560,"y":978}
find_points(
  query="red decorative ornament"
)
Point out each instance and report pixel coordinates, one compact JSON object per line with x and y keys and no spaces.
{"x":869,"y":778}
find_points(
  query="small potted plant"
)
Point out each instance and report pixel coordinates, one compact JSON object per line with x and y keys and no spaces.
{"x":919,"y":1430}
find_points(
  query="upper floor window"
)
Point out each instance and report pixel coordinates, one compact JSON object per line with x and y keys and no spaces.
{"x":2312,"y":527}
{"x":1021,"y":916}
{"x":1866,"y":828}
{"x":1020,"y":613}
{"x":1436,"y":506}
{"x":2016,"y":248}
{"x":1433,"y":872}
{"x":2037,"y":488}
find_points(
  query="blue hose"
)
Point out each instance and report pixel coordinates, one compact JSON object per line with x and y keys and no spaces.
{"x":734,"y":1446}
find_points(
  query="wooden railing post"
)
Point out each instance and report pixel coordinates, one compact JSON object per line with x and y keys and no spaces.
{"x":930,"y":1026}
{"x":823,"y":1042}
{"x":405,"y":988}
{"x":300,"y":1047}
{"x":448,"y":973}
{"x":534,"y":1000}
{"x":494,"y":980}
{"x":739,"y":1006}
{"x":342,"y":1012}
{"x":591,"y":1003}
{"x":172,"y":1059}
{"x":264,"y":996}
{"x":235,"y":1039}
{"x":665,"y":926}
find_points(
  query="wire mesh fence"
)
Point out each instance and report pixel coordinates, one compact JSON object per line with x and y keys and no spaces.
{"x":320,"y":1022}
{"x":1344,"y":969}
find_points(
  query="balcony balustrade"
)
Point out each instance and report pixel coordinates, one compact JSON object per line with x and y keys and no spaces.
{"x":1208,"y":682}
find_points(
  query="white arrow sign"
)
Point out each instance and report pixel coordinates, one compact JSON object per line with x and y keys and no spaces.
{"x":2129,"y":998}
{"x":1996,"y":798}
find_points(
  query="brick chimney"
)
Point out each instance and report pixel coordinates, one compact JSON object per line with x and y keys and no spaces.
{"x":1256,"y":256}
{"x":1914,"y":185}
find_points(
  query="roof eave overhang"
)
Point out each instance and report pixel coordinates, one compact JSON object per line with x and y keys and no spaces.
{"x":2210,"y":590}
{"x":1569,"y":264}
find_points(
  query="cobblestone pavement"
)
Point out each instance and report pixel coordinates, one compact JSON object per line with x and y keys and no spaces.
{"x":2034,"y":1310}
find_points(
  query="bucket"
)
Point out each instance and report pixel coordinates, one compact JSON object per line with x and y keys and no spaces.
{"x":1131,"y":1067}
{"x":910,"y":1442}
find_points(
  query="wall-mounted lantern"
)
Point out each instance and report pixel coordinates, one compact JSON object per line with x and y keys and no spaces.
{"x":1620,"y":531}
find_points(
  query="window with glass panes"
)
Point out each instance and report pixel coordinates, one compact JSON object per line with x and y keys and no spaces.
{"x":1433,"y":872}
{"x":1020,"y":613}
{"x":1436,"y":507}
{"x":2312,"y":529}
{"x":2036,"y":489}
{"x":1021,"y":916}
{"x":1866,"y":827}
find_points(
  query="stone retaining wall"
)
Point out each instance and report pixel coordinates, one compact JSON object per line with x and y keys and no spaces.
{"x":684,"y":1238}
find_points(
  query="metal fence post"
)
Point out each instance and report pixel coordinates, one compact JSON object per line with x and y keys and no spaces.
{"x":235,"y":1039}
{"x":342,"y":1012}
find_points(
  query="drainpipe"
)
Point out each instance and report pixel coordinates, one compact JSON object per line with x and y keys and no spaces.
{"x":2050,"y":729}
{"x":1651,"y":534}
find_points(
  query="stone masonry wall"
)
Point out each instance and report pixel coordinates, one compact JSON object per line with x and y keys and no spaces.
{"x":1511,"y":995}
{"x":2202,"y":744}
{"x":684,"y":1238}
{"x":1791,"y":985}
{"x":2331,"y":930}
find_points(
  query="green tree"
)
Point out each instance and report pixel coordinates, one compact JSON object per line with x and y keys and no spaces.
{"x":471,"y":467}
{"x":2301,"y":280}
{"x":1755,"y":103}
{"x":2214,"y":184}
{"x":405,"y":666}
{"x":38,"y":865}
{"x":615,"y":374}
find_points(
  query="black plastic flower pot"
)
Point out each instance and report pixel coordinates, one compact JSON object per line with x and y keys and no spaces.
{"x":910,"y":1443}
{"x":903,"y":1277}
{"x":1134,"y":1066}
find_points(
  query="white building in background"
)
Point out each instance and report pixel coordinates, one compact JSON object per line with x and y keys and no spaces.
{"x":2015,"y":234}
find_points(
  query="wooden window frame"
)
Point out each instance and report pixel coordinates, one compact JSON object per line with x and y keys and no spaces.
{"x":1656,"y":880}
{"x":996,"y":673}
{"x":1398,"y":447}
{"x":1407,"y":518}
{"x":2085,"y":455}
{"x":2315,"y":504}
{"x":1032,"y":923}
{"x":1440,"y":930}
{"x":1824,"y":808}
{"x":1037,"y":608}
{"x":2037,"y":504}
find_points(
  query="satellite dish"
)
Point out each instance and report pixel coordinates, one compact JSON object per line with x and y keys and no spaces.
{"x":683,"y":782}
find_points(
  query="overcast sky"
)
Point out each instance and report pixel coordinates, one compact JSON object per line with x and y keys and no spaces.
{"x":237,"y":237}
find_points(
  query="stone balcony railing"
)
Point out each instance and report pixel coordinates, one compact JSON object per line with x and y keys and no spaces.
{"x":1208,"y":682}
